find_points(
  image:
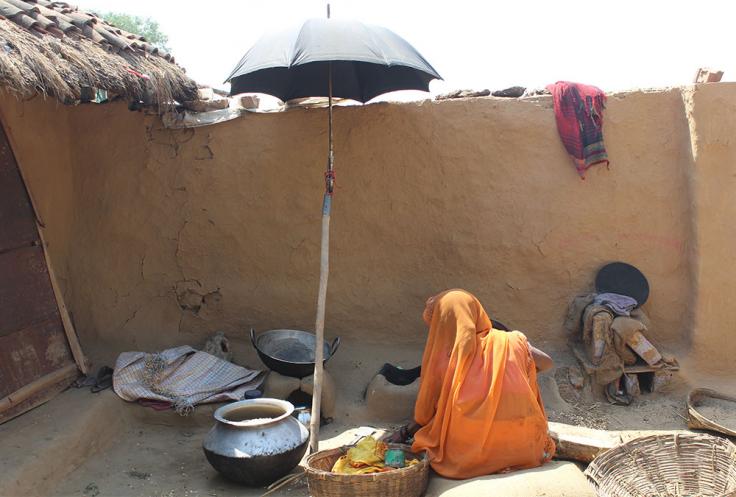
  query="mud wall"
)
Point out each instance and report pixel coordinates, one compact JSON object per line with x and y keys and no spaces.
{"x":712,"y":117}
{"x":165,"y":236}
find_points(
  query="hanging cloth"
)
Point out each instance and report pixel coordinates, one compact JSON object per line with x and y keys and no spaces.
{"x":579,"y":115}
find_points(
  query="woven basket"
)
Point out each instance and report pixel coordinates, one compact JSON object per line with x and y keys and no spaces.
{"x":405,"y":482}
{"x":698,"y":421}
{"x":672,"y":465}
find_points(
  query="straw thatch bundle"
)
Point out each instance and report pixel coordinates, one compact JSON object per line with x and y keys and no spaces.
{"x":54,"y":49}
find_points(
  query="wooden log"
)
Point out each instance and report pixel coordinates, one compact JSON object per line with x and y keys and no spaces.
{"x":36,"y":386}
{"x":644,"y":348}
{"x":589,"y":368}
{"x":37,"y":399}
{"x":577,"y":443}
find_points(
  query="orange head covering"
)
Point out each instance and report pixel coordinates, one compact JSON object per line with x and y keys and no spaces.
{"x":454,"y":318}
{"x":478,"y":402}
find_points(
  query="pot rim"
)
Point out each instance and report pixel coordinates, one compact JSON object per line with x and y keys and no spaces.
{"x":288,"y":408}
{"x":275,"y":331}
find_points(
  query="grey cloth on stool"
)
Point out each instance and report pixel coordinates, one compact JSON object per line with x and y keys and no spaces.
{"x":621,"y":305}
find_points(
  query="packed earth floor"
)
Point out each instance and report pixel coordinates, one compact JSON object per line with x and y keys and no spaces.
{"x":96,"y":445}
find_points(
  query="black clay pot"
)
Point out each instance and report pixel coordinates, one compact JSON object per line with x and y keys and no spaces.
{"x":256,"y":442}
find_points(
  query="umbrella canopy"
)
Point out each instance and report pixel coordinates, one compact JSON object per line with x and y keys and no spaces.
{"x":366,"y":61}
{"x":329,"y":58}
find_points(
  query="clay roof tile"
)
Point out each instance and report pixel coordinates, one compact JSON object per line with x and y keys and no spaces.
{"x":60,"y":71}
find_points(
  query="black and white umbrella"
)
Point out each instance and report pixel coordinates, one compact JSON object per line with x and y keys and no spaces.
{"x":330,"y":58}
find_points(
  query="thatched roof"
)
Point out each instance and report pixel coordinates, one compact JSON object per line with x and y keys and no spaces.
{"x":53,"y":48}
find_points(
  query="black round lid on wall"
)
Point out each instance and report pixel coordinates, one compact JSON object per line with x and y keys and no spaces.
{"x":624,"y":279}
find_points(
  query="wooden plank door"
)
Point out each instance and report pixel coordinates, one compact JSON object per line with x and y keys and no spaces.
{"x":35,"y":358}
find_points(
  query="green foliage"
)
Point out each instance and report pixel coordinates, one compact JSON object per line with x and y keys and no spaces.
{"x":143,"y":26}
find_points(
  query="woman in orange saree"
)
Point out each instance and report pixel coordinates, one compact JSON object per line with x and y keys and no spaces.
{"x":479,"y":410}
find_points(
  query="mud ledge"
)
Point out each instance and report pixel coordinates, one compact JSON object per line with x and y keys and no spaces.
{"x":38,"y":449}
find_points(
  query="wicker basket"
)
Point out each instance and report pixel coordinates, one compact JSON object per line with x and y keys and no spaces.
{"x":698,"y":421}
{"x":672,"y":465}
{"x":406,"y":482}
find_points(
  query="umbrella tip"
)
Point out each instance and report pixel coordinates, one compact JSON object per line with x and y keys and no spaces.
{"x":328,"y":11}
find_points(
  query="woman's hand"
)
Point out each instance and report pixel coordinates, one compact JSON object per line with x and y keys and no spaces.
{"x":403,"y":434}
{"x":541,"y":360}
{"x":397,"y":437}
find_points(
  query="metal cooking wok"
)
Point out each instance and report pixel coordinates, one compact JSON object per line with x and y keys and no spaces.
{"x":289,"y":352}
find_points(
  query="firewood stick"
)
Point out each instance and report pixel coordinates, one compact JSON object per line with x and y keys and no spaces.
{"x":283,"y":482}
{"x":36,"y":386}
{"x":283,"y":479}
{"x":69,"y":331}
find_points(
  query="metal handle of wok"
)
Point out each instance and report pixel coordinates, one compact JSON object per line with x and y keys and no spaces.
{"x":253,"y":338}
{"x":333,"y":348}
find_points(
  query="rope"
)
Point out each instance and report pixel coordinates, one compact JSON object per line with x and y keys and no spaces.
{"x":329,"y":182}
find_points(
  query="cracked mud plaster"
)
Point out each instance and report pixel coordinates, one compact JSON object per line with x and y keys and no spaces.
{"x":192,"y":299}
{"x":204,"y":153}
{"x":492,"y":198}
{"x":202,"y":149}
{"x":167,"y":142}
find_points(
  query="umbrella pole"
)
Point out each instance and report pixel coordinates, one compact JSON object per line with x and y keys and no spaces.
{"x":324,"y":269}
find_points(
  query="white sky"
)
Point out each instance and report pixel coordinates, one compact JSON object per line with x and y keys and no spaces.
{"x":613,"y":44}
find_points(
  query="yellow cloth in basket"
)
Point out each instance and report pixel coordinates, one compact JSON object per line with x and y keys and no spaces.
{"x":366,"y":457}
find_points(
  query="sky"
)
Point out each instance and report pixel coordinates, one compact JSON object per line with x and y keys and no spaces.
{"x":613,"y":44}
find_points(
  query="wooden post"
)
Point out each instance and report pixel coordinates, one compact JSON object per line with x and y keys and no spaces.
{"x":320,"y":328}
{"x":71,"y":333}
{"x":324,"y":270}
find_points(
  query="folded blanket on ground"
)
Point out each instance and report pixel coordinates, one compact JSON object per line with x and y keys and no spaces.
{"x":579,"y":116}
{"x":183,"y":376}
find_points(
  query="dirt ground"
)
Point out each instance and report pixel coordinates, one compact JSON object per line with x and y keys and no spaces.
{"x":662,"y":410}
{"x":163,"y":458}
{"x":96,"y":445}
